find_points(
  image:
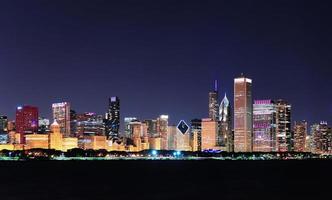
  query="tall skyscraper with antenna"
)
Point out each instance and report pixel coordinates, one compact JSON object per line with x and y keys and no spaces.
{"x":213,"y":102}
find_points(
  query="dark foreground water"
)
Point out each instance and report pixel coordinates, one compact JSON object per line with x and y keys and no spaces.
{"x":166,"y":180}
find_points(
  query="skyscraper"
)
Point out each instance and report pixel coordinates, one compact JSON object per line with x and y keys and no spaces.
{"x":242,"y":114}
{"x":283,"y":129}
{"x":209,"y":134}
{"x":152,"y":127}
{"x":61,"y":113}
{"x":172,"y":139}
{"x":127,"y":131}
{"x":196,"y":134}
{"x":3,"y":123}
{"x":162,"y":126}
{"x":89,"y":124}
{"x":321,"y":138}
{"x":44,"y":125}
{"x":26,"y":121}
{"x":225,"y":125}
{"x":264,"y":120}
{"x":112,"y":122}
{"x":300,"y":135}
{"x":213,"y":102}
{"x":3,"y":129}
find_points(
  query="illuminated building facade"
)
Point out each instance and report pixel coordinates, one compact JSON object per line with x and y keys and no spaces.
{"x":300,"y":135}
{"x":36,"y":141}
{"x":243,"y":114}
{"x":61,"y":113}
{"x":136,"y":130}
{"x":152,"y":127}
{"x":26,"y":121}
{"x":11,"y":125}
{"x":155,"y":143}
{"x":44,"y":125}
{"x":182,"y":141}
{"x":162,"y":126}
{"x":3,"y":130}
{"x":3,"y":123}
{"x":172,"y":131}
{"x":225,"y":136}
{"x":213,"y":102}
{"x":283,"y":129}
{"x":96,"y":143}
{"x":69,"y":143}
{"x":127,"y":121}
{"x":321,"y":138}
{"x":89,"y":124}
{"x":196,"y":134}
{"x":55,"y":137}
{"x":73,"y":123}
{"x":112,"y":121}
{"x":209,"y":133}
{"x":264,"y":129}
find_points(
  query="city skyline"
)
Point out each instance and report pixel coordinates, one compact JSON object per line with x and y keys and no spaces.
{"x":219,"y":94}
{"x":83,"y":55}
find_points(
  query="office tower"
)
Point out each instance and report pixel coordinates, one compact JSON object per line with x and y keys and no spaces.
{"x":300,"y":135}
{"x":89,"y":124}
{"x":283,"y":129}
{"x":308,"y":143}
{"x":3,"y":123}
{"x":112,"y":121}
{"x":172,"y":131}
{"x":127,"y":120}
{"x":73,"y":123}
{"x":55,"y":137}
{"x":145,"y":136}
{"x":136,"y":130}
{"x":264,"y":129}
{"x":213,"y":102}
{"x":152,"y":127}
{"x":162,"y":126}
{"x":242,"y":114}
{"x":321,"y":138}
{"x":4,"y":139}
{"x":196,"y":135}
{"x":44,"y":125}
{"x":209,"y":134}
{"x":225,"y":137}
{"x":11,"y":126}
{"x":26,"y":121}
{"x":61,"y":113}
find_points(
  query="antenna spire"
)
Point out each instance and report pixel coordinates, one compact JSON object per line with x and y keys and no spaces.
{"x":216,"y":85}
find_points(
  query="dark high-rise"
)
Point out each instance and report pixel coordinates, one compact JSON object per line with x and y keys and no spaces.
{"x":26,"y":121}
{"x":213,"y":102}
{"x":112,"y":121}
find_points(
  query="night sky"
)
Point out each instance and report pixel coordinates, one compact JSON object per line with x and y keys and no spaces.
{"x":161,"y":57}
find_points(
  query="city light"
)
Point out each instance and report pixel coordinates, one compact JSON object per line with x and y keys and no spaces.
{"x":261,"y":129}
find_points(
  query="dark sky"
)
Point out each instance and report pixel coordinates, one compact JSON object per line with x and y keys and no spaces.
{"x":161,"y":57}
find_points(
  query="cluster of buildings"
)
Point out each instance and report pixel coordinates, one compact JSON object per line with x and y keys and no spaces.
{"x":243,"y":125}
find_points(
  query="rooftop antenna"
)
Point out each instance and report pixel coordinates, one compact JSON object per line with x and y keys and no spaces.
{"x":216,"y":85}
